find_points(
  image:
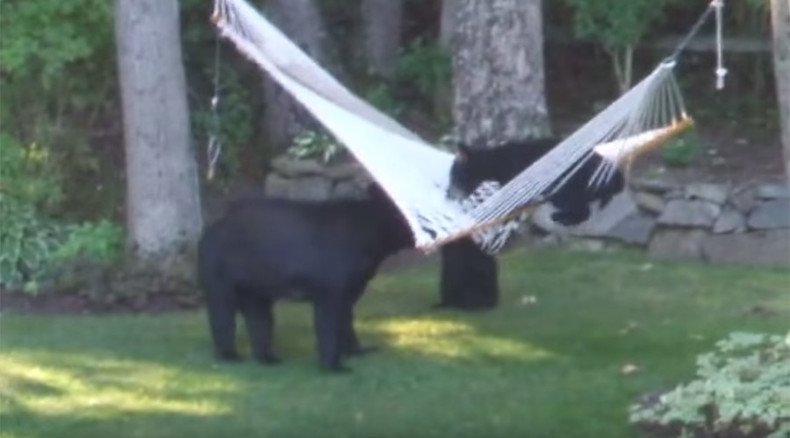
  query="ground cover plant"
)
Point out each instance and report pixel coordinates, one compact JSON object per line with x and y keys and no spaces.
{"x":577,"y":338}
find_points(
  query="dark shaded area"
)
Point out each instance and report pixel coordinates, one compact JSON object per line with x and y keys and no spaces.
{"x":469,"y":279}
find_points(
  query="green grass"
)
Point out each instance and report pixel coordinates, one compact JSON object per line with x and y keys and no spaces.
{"x":551,"y":368}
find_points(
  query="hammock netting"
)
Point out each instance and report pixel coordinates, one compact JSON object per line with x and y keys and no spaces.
{"x":415,"y":174}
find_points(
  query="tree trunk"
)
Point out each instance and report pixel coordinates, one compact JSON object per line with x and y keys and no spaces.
{"x":780,"y":21}
{"x":381,"y":20}
{"x":498,"y":67}
{"x":163,"y":200}
{"x":499,"y":96}
{"x":447,"y":25}
{"x":284,"y":118}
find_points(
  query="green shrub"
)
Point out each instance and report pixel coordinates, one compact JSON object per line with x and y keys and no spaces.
{"x":423,"y":77}
{"x":381,"y":96}
{"x":96,"y":241}
{"x":618,"y":25}
{"x":55,"y":56}
{"x":34,"y":249}
{"x":743,"y":387}
{"x":239,"y":82}
{"x":425,"y":65}
{"x":315,"y":145}
{"x":27,"y":242}
{"x":29,"y":174}
{"x":682,"y":151}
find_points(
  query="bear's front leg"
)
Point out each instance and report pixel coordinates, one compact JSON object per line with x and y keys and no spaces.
{"x":326,"y":322}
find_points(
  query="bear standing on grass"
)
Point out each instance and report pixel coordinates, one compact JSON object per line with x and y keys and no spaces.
{"x":263,"y":249}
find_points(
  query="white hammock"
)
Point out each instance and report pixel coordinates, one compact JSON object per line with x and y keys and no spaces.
{"x":415,"y":174}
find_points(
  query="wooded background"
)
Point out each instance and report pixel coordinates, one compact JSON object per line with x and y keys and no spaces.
{"x":106,"y":107}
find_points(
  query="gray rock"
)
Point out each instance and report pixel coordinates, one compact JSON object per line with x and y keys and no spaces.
{"x":635,"y":229}
{"x":730,"y":221}
{"x":343,"y":171}
{"x":650,"y":202}
{"x":689,"y":213}
{"x":277,"y":186}
{"x":675,"y":194}
{"x":653,"y":185}
{"x":602,"y":221}
{"x":682,"y":245}
{"x":541,"y":219}
{"x":716,"y":193}
{"x":308,"y":189}
{"x":769,"y":248}
{"x":773,"y":191}
{"x":771,"y":215}
{"x":291,"y":168}
{"x":744,"y":199}
{"x":587,"y":245}
{"x":348,"y":189}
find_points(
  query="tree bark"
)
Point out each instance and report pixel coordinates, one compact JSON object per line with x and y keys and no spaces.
{"x":163,"y":201}
{"x":301,"y":20}
{"x":780,"y":21}
{"x":381,"y":20}
{"x":498,"y":67}
{"x":499,"y":96}
{"x":447,"y":25}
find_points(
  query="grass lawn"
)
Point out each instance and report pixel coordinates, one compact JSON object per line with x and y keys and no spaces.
{"x":546,"y":363}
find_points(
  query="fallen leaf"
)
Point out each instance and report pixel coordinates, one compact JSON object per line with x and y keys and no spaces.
{"x":629,"y":369}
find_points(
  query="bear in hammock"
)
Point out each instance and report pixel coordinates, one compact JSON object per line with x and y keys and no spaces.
{"x":263,"y":249}
{"x":469,"y":274}
{"x":572,"y":199}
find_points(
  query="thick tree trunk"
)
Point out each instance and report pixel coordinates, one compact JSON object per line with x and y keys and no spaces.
{"x":301,"y":20}
{"x":498,"y":66}
{"x":780,"y":21}
{"x":163,"y":201}
{"x":499,"y":96}
{"x":381,"y":20}
{"x":447,"y":25}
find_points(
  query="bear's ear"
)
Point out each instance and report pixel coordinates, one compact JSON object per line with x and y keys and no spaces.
{"x":463,"y":152}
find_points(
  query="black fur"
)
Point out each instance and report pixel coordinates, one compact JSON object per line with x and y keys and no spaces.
{"x":262,"y":249}
{"x":469,"y":278}
{"x":503,"y":163}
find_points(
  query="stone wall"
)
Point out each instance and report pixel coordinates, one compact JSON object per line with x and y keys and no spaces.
{"x":313,"y":181}
{"x":717,"y":223}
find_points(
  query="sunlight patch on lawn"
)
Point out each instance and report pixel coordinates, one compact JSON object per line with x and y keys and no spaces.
{"x":454,"y":339}
{"x":97,"y":387}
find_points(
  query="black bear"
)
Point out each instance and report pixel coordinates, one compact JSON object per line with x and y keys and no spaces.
{"x":263,"y":249}
{"x":469,"y":278}
{"x":503,"y":163}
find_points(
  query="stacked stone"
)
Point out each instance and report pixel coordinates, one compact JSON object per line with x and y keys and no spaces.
{"x":313,"y":181}
{"x":718,"y":223}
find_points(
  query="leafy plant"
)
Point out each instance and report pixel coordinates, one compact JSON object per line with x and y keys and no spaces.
{"x":742,"y":387}
{"x":426,"y":65}
{"x":315,"y":145}
{"x":27,"y":242}
{"x":98,"y":241}
{"x":29,"y":173}
{"x":54,"y":56}
{"x":682,"y":151}
{"x":239,"y":89}
{"x":618,"y":25}
{"x":382,"y":97}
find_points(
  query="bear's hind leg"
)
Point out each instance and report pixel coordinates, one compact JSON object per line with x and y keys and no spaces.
{"x":258,"y":313}
{"x":221,"y":309}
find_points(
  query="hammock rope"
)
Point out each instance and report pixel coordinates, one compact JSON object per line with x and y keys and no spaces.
{"x":415,"y":174}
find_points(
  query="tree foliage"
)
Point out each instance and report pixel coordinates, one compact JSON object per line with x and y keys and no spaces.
{"x":55,"y":57}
